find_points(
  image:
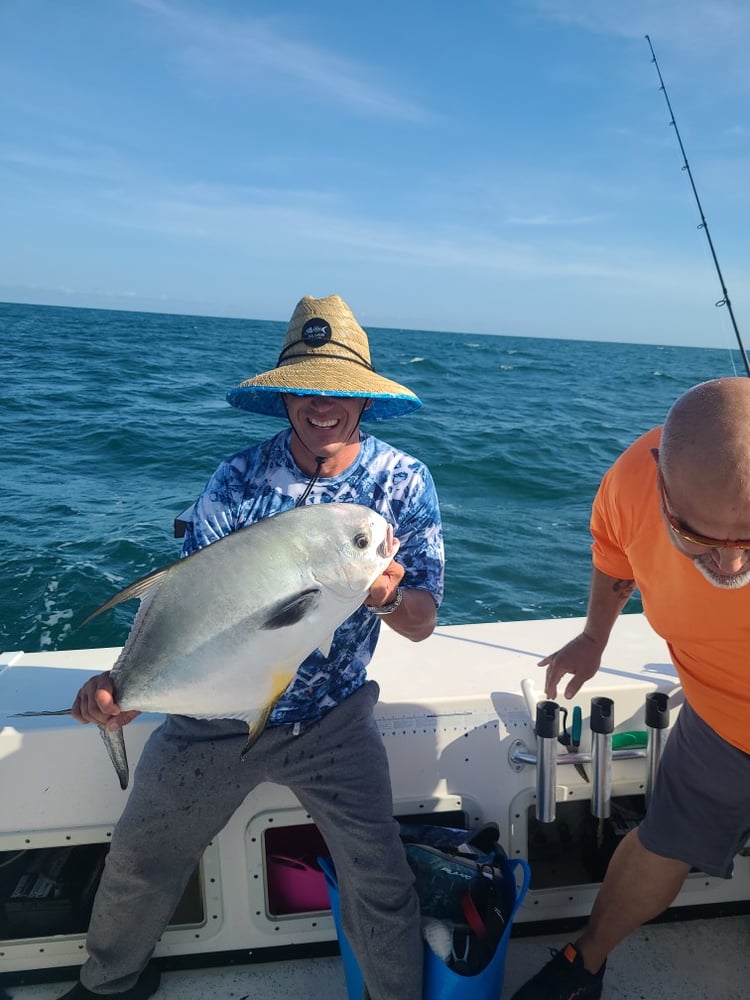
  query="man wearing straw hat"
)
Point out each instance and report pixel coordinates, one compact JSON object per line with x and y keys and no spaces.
{"x":321,"y":739}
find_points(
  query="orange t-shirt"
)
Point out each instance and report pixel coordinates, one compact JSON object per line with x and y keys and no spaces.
{"x":706,"y":628}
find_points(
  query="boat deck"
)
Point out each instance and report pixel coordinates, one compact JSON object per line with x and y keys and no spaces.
{"x":696,"y":959}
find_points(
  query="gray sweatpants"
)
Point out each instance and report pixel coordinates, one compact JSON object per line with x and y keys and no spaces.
{"x":188,"y":783}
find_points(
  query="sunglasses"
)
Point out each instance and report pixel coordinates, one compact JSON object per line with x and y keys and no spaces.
{"x":692,"y":536}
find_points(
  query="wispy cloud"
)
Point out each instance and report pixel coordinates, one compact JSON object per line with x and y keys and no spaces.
{"x":552,"y":220}
{"x":244,"y":47}
{"x":230,"y":219}
{"x":69,"y":158}
{"x":236,"y":218}
{"x":694,"y":36}
{"x":692,"y":25}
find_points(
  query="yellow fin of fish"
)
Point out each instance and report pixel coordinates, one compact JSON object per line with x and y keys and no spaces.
{"x":280,"y":681}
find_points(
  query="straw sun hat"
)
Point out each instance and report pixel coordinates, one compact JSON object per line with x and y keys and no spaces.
{"x":325,"y":353}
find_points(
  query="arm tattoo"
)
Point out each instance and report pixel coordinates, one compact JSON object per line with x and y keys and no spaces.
{"x":624,"y":589}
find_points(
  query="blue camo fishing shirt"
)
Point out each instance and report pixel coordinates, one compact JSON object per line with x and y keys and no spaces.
{"x":264,"y":479}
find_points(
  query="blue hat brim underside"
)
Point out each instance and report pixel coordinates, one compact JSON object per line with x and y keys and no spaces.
{"x":267,"y":401}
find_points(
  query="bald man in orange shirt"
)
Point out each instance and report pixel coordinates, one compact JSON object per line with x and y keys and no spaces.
{"x":672,"y":519}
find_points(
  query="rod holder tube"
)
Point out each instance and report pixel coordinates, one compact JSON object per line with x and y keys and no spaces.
{"x":657,"y":724}
{"x":602,"y":726}
{"x":547,"y":729}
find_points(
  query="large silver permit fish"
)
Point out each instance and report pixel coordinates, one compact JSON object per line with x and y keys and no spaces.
{"x":221,"y":633}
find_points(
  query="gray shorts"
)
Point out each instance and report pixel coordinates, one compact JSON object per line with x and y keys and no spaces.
{"x":700,"y":807}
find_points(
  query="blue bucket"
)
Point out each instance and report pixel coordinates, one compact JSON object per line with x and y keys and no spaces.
{"x":440,"y":982}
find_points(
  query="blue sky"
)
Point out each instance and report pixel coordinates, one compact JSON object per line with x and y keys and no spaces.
{"x":490,"y":166}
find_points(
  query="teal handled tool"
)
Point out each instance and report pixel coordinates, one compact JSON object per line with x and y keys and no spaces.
{"x":572,"y":740}
{"x":575,"y":727}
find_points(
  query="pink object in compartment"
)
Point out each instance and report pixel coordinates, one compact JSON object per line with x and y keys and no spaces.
{"x":295,"y":885}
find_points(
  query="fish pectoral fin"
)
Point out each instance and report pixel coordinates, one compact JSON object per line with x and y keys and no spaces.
{"x":291,"y":610}
{"x":140,"y":589}
{"x":115,"y":744}
{"x":325,"y":645}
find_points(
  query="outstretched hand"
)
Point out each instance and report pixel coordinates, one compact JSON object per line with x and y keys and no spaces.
{"x":95,"y":702}
{"x":580,"y":657}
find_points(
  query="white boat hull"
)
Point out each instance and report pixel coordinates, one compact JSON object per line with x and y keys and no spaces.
{"x":450,"y":711}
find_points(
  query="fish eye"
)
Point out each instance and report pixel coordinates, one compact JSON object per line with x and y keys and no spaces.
{"x":362,"y":540}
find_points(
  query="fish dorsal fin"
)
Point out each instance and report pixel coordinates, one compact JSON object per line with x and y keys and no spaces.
{"x":140,"y":589}
{"x":291,"y":610}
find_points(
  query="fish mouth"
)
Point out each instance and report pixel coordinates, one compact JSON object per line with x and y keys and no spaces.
{"x":389,"y":546}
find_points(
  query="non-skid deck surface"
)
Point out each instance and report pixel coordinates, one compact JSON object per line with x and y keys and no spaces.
{"x":691,"y":960}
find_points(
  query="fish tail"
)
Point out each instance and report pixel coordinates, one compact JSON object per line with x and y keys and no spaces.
{"x":114,"y":741}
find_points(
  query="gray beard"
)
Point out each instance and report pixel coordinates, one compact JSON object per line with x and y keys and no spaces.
{"x":717,"y":580}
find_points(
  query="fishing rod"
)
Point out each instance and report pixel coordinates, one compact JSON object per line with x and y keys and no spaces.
{"x":724,"y":301}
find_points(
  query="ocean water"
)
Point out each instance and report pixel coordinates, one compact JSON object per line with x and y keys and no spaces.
{"x":111,"y":422}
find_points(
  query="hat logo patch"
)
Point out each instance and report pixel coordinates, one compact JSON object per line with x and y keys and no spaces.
{"x":315,"y":332}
